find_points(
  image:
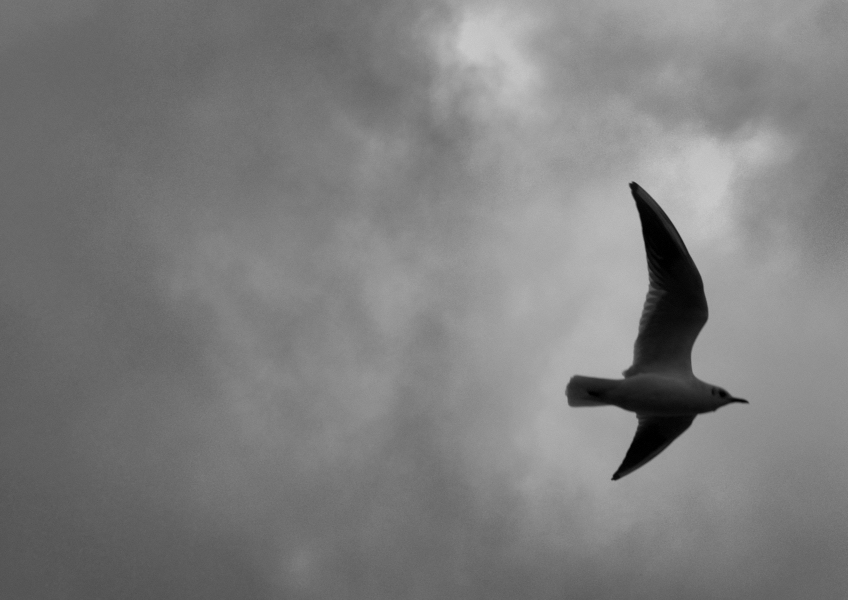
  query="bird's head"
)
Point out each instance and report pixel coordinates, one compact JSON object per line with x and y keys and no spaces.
{"x":723,"y":398}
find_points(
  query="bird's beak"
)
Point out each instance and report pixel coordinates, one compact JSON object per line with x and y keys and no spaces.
{"x":739,"y":400}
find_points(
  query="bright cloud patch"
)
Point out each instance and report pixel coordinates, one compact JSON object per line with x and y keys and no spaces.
{"x":487,"y":51}
{"x":692,"y":174}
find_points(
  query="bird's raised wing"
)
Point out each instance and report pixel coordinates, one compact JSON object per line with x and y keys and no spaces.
{"x":653,"y":435}
{"x":676,"y":308}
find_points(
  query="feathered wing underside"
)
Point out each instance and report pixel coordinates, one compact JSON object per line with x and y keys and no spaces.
{"x":653,"y":435}
{"x":675,"y":309}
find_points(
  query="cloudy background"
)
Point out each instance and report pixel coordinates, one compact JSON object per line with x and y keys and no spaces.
{"x":290,"y":292}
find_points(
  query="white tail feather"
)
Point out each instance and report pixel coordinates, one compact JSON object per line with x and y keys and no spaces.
{"x":589,"y":391}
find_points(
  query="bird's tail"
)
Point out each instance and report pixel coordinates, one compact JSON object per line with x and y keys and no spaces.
{"x":589,"y":391}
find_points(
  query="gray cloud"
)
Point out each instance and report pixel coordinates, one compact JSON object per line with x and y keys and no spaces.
{"x":727,"y":70}
{"x":288,"y":289}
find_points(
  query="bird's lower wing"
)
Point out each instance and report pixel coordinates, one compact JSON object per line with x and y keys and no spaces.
{"x":653,"y":435}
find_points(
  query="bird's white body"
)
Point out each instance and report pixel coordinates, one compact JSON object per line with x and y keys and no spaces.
{"x":662,"y":394}
{"x":659,"y":386}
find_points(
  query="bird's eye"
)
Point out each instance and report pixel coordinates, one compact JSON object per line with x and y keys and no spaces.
{"x":722,"y":393}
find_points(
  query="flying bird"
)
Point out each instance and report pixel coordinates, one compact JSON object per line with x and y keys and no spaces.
{"x":660,"y":386}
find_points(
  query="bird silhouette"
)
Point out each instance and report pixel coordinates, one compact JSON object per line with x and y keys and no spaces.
{"x":659,"y":386}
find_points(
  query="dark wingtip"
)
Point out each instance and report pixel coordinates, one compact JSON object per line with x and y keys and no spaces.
{"x":616,"y":476}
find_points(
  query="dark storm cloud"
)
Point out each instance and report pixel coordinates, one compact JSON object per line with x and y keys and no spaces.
{"x":729,"y":70}
{"x":274,"y":321}
{"x":129,"y":134}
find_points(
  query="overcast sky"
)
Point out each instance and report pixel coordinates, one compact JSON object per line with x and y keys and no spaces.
{"x":290,"y":292}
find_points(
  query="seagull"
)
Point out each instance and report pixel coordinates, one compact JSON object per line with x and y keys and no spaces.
{"x":660,"y":386}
